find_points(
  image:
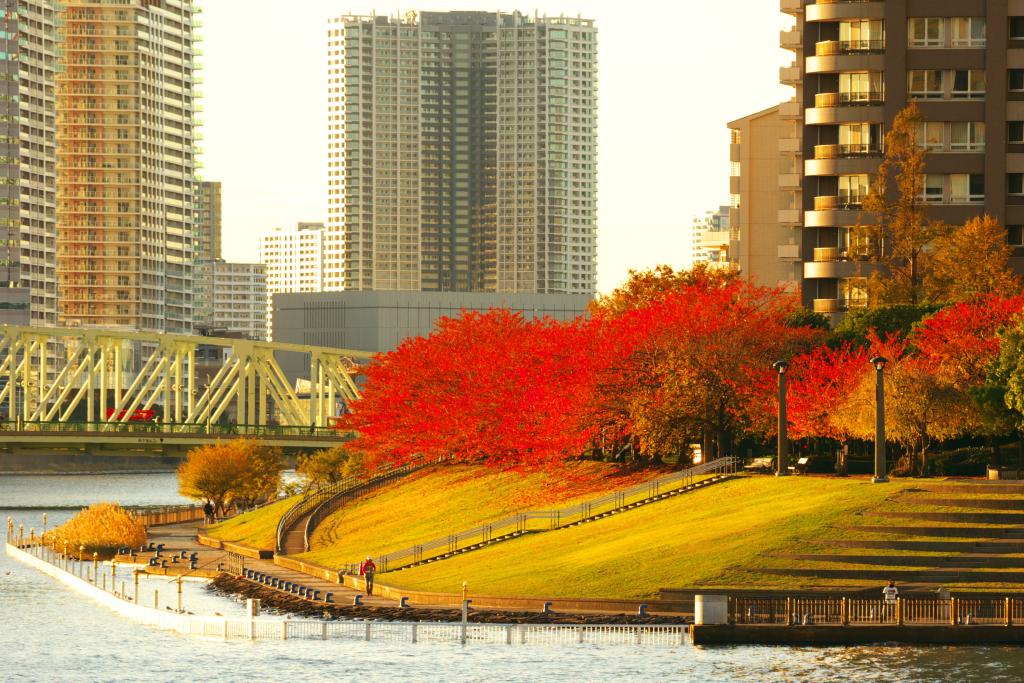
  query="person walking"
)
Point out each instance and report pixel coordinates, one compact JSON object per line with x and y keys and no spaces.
{"x":208,"y":512}
{"x":367,"y":569}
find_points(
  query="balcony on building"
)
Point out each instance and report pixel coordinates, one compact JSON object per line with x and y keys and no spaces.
{"x":846,"y":107}
{"x":791,"y":39}
{"x":793,"y":7}
{"x":790,"y":75}
{"x":837,"y":10}
{"x":843,"y":159}
{"x":838,"y":305}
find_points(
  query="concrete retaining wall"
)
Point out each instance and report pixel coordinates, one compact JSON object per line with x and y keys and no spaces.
{"x":855,"y":635}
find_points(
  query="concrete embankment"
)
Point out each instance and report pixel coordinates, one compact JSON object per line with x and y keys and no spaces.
{"x":741,"y":634}
{"x":293,"y":604}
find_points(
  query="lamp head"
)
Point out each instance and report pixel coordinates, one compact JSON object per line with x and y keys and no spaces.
{"x":780,"y":366}
{"x":879,"y":362}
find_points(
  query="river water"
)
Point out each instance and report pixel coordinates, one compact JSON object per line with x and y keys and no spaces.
{"x":49,"y":633}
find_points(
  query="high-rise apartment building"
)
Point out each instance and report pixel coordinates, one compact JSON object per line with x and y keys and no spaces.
{"x":710,"y":237}
{"x":208,"y":221}
{"x":231,"y":299}
{"x":28,"y":196}
{"x":857,"y":65}
{"x":462,"y":152}
{"x":760,"y":248}
{"x":126,"y":164}
{"x":294,"y":260}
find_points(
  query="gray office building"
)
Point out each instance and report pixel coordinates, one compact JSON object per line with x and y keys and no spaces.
{"x":379,"y":321}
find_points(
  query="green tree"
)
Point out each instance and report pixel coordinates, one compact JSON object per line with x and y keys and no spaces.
{"x":856,"y":325}
{"x":329,"y":466}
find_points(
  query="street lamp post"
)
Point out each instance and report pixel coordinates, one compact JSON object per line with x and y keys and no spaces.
{"x":783,"y":453}
{"x":881,"y":476}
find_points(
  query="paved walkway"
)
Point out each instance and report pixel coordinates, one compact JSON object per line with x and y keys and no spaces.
{"x":177,"y":537}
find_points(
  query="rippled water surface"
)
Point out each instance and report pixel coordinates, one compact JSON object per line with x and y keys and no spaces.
{"x":48,"y":633}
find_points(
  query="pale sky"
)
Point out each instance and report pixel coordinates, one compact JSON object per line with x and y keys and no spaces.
{"x":671,"y":75}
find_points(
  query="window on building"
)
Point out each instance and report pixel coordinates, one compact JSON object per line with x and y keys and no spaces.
{"x":969,"y":83}
{"x":931,"y":135}
{"x":1015,"y":235}
{"x":1016,"y":28}
{"x":934,"y":187}
{"x":861,"y":86}
{"x":966,"y":188}
{"x":1015,"y":132}
{"x":924,"y":83}
{"x":1015,"y":183}
{"x":1016,"y":80}
{"x":926,"y":32}
{"x":968,"y":31}
{"x":967,"y":136}
{"x":853,"y":188}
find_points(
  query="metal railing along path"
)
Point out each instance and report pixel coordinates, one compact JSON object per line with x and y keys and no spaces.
{"x":545,"y":520}
{"x":327,"y":499}
{"x":256,"y":628}
{"x":913,"y":611}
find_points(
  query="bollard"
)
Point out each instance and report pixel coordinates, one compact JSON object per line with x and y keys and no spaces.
{"x":135,"y":597}
{"x":81,"y":553}
{"x":357,"y":600}
{"x":179,"y":594}
{"x":641,"y":611}
{"x":95,"y":566}
{"x":329,"y":597}
{"x":547,"y":607}
{"x":465,"y":620}
{"x":404,"y":602}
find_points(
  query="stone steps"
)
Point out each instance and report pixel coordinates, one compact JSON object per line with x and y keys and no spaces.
{"x":985,"y":547}
{"x":944,"y":531}
{"x":1007,"y":518}
{"x":979,"y":488}
{"x":929,"y":561}
{"x":917,"y":575}
{"x":1015,"y":504}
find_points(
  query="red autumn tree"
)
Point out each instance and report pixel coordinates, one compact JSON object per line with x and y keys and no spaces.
{"x":691,"y":364}
{"x":959,"y":342}
{"x":819,"y":383}
{"x":485,"y":386}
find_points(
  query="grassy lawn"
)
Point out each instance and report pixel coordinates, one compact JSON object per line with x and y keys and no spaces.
{"x":701,"y":538}
{"x":448,"y":499}
{"x":257,"y":529}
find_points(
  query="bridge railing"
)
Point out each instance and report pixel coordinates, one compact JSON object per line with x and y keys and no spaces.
{"x":539,"y":520}
{"x":213,"y":429}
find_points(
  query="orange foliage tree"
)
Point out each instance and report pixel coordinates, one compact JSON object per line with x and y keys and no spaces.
{"x":239,"y":471}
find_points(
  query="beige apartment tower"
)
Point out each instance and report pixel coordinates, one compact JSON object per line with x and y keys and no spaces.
{"x":28,"y":195}
{"x":126,"y":164}
{"x":765,"y":252}
{"x":857,"y":64}
{"x":462,"y":152}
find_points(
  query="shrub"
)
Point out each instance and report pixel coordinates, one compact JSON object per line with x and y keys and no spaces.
{"x":102,"y":528}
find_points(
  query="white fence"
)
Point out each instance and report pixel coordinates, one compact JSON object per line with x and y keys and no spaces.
{"x":394,"y":631}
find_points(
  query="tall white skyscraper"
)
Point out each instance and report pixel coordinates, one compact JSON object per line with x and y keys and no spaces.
{"x":462,"y":153}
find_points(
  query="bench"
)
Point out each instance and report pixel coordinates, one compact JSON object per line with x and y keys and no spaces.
{"x":760,"y":465}
{"x":801,"y":465}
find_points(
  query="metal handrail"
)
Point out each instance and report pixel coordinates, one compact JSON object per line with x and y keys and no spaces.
{"x":156,"y":427}
{"x":552,"y":519}
{"x":341,"y":490}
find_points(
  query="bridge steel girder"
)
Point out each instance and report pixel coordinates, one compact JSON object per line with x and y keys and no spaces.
{"x":94,"y":371}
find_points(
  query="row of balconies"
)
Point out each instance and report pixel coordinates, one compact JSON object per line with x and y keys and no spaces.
{"x":839,"y":305}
